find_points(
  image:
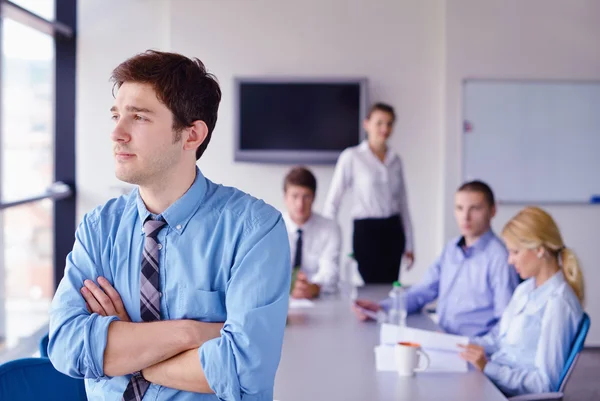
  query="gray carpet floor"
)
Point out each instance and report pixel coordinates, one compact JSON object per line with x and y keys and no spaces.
{"x":584,"y":384}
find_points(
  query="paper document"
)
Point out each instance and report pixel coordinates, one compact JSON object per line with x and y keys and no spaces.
{"x":445,"y":361}
{"x":301,"y":303}
{"x":392,"y":334}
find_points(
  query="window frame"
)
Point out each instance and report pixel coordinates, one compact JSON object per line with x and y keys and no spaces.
{"x":63,"y":190}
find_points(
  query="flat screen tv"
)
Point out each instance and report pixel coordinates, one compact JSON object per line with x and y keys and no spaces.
{"x":297,"y":121}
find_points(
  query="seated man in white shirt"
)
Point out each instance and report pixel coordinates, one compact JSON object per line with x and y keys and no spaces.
{"x":315,"y":241}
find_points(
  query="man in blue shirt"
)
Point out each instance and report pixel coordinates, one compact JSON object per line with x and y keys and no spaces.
{"x":180,"y":290}
{"x":471,"y":279}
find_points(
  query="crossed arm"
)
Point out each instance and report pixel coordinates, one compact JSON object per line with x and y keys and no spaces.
{"x":166,"y":352}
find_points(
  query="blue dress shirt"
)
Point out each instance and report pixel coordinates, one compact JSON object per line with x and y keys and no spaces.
{"x":529,"y":352}
{"x":472,"y":285}
{"x":225,"y":258}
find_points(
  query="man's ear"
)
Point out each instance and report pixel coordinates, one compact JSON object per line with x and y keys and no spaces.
{"x":197,"y":134}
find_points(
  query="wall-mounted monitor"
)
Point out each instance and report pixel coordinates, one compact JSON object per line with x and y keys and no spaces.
{"x":298,"y":120}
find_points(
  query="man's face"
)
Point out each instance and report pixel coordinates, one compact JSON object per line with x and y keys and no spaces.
{"x":145,"y":147}
{"x":299,"y":201}
{"x":473,"y":213}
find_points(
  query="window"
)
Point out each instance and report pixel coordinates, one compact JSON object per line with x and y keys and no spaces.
{"x":27,"y":111}
{"x":37,"y":164}
{"x":28,"y":270}
{"x":43,"y":8}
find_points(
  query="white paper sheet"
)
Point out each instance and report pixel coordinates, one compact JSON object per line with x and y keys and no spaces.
{"x":391,"y":334}
{"x":445,"y":361}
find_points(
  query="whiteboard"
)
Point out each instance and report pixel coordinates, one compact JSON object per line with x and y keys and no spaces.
{"x":533,"y":141}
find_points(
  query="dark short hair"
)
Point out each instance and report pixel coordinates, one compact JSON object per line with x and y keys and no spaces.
{"x":182,"y":84}
{"x":482,"y":188}
{"x":386,"y":108}
{"x":302,"y":177}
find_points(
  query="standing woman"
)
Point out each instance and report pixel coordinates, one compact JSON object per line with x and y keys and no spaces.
{"x":382,"y":225}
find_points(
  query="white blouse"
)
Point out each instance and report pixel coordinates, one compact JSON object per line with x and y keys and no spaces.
{"x":378,"y":188}
{"x":529,"y":350}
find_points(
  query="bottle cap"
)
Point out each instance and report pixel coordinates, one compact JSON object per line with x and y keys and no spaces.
{"x":397,"y":284}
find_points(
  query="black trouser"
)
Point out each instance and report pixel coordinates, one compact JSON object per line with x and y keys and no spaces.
{"x":378,"y":248}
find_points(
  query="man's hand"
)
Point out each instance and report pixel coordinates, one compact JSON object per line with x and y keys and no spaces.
{"x":475,"y":355}
{"x":410,"y":259}
{"x":364,"y":304}
{"x":104,"y":301}
{"x":304,"y":289}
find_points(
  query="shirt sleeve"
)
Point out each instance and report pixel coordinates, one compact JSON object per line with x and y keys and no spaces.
{"x":558,"y":329}
{"x":426,"y":290}
{"x":241,"y":363}
{"x":78,"y":338}
{"x":405,"y":213}
{"x":341,"y":181}
{"x":487,"y":341}
{"x":329,"y":261}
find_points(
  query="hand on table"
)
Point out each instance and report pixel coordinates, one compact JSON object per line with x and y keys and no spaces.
{"x":364,"y":304}
{"x":304,"y":289}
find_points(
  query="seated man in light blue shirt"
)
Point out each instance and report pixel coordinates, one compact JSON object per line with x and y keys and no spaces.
{"x":178,"y":291}
{"x":529,"y":352}
{"x":471,"y":280}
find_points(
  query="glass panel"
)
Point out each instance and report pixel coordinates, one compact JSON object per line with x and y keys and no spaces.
{"x":27,"y":111}
{"x":43,"y":8}
{"x":29,"y":277}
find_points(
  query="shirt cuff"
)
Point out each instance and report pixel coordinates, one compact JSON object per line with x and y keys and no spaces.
{"x":326,"y":283}
{"x":96,"y":339}
{"x":385,"y":304}
{"x":492,"y":370}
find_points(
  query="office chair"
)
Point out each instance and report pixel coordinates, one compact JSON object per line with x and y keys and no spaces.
{"x":30,"y":379}
{"x":44,"y":346}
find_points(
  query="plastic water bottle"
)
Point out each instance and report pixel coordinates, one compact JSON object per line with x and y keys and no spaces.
{"x":397,"y":313}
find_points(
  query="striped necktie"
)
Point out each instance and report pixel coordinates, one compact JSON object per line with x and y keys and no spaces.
{"x":149,"y":298}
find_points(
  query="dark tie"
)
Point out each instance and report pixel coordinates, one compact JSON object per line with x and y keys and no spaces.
{"x":149,"y":298}
{"x":298,"y":256}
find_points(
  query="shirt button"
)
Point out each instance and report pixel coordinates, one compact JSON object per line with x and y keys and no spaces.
{"x":178,"y":226}
{"x":160,"y":294}
{"x":159,"y":246}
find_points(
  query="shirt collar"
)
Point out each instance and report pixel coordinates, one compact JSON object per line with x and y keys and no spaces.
{"x":390,"y":155}
{"x":181,"y":211}
{"x":480,"y":244}
{"x":540,"y":294}
{"x":292,"y":227}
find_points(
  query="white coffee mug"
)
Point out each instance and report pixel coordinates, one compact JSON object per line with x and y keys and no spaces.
{"x":410,"y":358}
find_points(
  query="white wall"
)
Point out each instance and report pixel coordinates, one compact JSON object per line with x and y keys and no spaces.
{"x":398,"y":45}
{"x":109,"y":31}
{"x":416,"y":54}
{"x":535,"y":39}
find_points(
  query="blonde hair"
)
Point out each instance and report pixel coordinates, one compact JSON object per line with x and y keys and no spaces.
{"x":532,"y":228}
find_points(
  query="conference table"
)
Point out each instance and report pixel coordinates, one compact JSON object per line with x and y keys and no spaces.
{"x":329,"y":355}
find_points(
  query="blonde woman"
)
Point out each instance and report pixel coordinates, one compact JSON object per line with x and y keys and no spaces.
{"x":530,"y":349}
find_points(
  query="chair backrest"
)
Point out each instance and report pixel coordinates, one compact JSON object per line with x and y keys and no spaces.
{"x":584,"y":327}
{"x":44,"y":346}
{"x":36,"y":379}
